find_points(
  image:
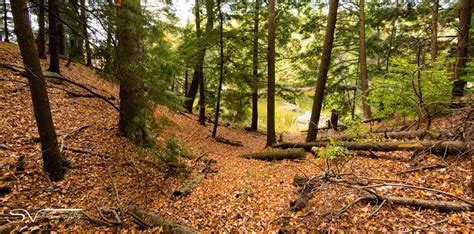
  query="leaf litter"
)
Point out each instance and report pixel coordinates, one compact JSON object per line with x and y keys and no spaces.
{"x":240,"y":195}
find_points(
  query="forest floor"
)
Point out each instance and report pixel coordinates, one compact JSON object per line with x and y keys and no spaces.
{"x":238,"y":194}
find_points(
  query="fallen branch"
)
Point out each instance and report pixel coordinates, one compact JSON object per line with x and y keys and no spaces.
{"x":378,"y":120}
{"x":422,"y":203}
{"x":276,"y":155}
{"x":421,"y":188}
{"x":373,"y":213}
{"x":435,"y":166}
{"x":155,"y":220}
{"x":67,"y":135}
{"x":95,"y":220}
{"x":3,"y":147}
{"x":84,"y":95}
{"x":431,"y":224}
{"x":229,"y":142}
{"x":84,"y":151}
{"x":426,"y":134}
{"x":448,"y":147}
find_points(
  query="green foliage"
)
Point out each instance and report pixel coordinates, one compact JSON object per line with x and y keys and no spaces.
{"x":333,"y":151}
{"x":159,"y":124}
{"x":395,"y":93}
{"x":355,"y":127}
{"x":172,"y":155}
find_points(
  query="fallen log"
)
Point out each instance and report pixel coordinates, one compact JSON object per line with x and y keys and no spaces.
{"x":154,"y":220}
{"x":228,"y":142}
{"x":276,"y":155}
{"x":440,"y":147}
{"x":435,"y":166}
{"x":378,"y":120}
{"x":85,"y":95}
{"x":422,"y":203}
{"x":426,"y":134}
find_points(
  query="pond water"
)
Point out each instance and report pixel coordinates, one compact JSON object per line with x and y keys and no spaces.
{"x":290,"y":117}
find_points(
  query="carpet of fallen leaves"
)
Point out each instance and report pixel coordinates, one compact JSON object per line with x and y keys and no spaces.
{"x":239,"y":194}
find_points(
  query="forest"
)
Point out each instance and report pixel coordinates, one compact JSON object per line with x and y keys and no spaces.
{"x":236,"y":116}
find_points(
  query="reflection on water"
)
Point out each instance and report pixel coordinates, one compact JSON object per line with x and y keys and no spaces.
{"x":290,"y":117}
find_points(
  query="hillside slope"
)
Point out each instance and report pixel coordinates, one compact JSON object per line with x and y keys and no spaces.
{"x":238,"y":194}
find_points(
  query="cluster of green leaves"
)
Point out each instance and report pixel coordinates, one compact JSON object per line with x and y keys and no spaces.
{"x":333,"y":151}
{"x":172,"y":155}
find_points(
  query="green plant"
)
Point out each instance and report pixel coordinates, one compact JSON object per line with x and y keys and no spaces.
{"x":333,"y":151}
{"x":172,"y":156}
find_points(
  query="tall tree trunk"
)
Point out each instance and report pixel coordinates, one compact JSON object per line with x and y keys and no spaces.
{"x":221,"y":69}
{"x":133,"y":116}
{"x":202,"y":100}
{"x":463,"y":44}
{"x":198,"y":67}
{"x":53,"y":36}
{"x":434,"y":31}
{"x":109,"y":63}
{"x":74,"y":38}
{"x":271,"y":139}
{"x":79,"y":41}
{"x":85,"y":33}
{"x":5,"y":21}
{"x":52,"y":160}
{"x":202,"y":93}
{"x":393,"y":33}
{"x":364,"y":78}
{"x":40,"y":40}
{"x":191,"y":93}
{"x":61,"y":33}
{"x":323,"y":71}
{"x":186,"y":76}
{"x":62,"y":40}
{"x":254,"y":124}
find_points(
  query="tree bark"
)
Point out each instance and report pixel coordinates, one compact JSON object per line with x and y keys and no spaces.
{"x":186,"y":77}
{"x":271,"y":138}
{"x":85,"y":33}
{"x":448,"y":147}
{"x":202,"y":46}
{"x":422,"y":203}
{"x":323,"y":71}
{"x":5,"y":21}
{"x":432,"y":134}
{"x":254,"y":124}
{"x":364,"y":78}
{"x":434,"y":31}
{"x":229,"y":142}
{"x":61,"y":33}
{"x":53,"y":36}
{"x":40,"y":40}
{"x":133,"y":104}
{"x":52,"y":159}
{"x":221,"y":69}
{"x":393,"y":33}
{"x":332,"y":123}
{"x":276,"y":155}
{"x":202,"y":91}
{"x":462,"y":48}
{"x":78,"y":53}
